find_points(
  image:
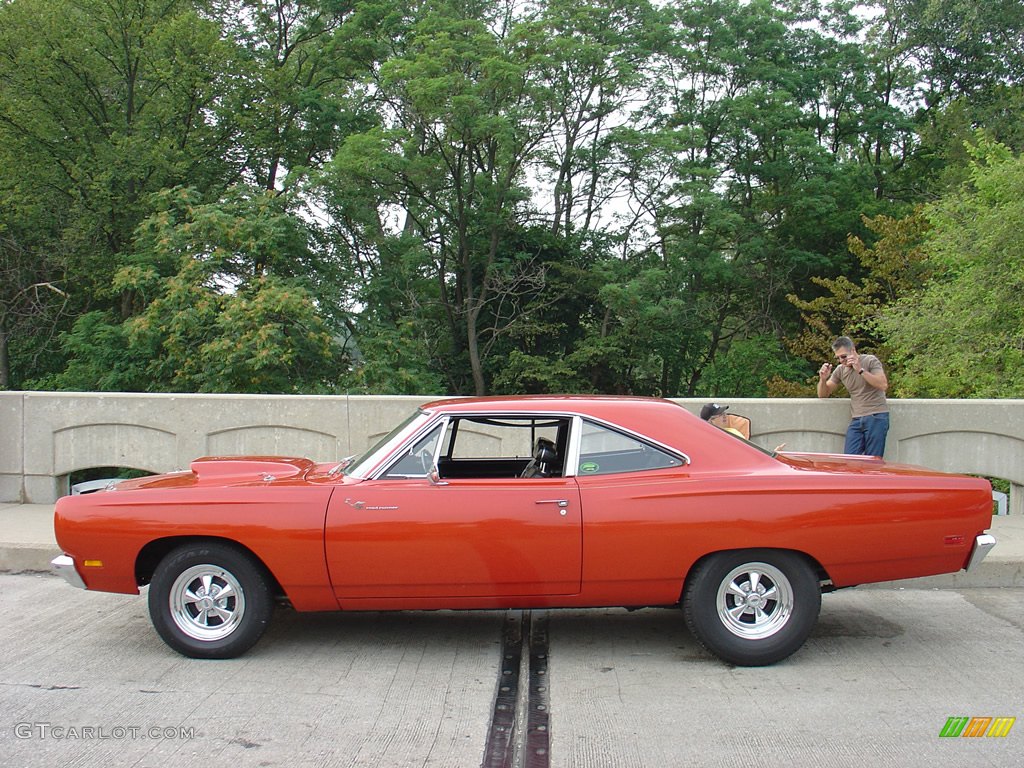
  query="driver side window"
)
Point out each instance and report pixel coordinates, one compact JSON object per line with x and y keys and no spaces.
{"x":485,"y":446}
{"x":504,"y":446}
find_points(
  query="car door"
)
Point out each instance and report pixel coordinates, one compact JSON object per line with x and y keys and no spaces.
{"x":639,"y":499}
{"x":405,"y":537}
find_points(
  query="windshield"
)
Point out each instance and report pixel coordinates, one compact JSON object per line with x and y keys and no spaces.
{"x":364,"y":464}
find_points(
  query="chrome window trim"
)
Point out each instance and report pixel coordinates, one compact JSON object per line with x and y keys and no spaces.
{"x":682,"y":456}
{"x":572,"y":452}
{"x":575,"y":419}
{"x":438,"y":420}
{"x":373,"y":461}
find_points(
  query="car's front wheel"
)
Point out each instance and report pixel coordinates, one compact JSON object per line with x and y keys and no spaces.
{"x":752,"y":607}
{"x":210,"y":600}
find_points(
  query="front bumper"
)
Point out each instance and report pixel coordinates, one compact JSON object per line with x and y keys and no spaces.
{"x":64,"y":566}
{"x":983,"y":544}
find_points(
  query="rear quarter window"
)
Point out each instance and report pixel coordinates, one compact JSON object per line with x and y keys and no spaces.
{"x":606,"y":451}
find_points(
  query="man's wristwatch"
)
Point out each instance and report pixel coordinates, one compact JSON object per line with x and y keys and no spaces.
{"x":861,"y":371}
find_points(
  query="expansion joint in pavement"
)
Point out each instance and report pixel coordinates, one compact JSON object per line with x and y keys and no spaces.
{"x":519,"y":734}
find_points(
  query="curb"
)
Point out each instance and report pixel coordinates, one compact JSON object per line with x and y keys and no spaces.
{"x":26,"y":558}
{"x":990,"y":574}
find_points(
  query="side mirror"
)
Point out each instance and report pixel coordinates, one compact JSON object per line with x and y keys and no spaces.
{"x":434,"y":476}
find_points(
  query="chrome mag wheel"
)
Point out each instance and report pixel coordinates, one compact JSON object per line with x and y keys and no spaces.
{"x":207,"y":602}
{"x":755,"y":600}
{"x":210,"y":600}
{"x":752,"y":607}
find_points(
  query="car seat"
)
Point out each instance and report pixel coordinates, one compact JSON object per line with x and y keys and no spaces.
{"x":544,"y":458}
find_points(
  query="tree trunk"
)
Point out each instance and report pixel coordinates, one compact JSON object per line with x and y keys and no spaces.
{"x":473,"y":342}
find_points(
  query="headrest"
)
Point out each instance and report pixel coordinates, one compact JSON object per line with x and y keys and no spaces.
{"x":545,"y":450}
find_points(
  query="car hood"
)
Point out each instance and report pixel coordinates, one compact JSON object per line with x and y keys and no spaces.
{"x":213,"y":471}
{"x":264,"y":468}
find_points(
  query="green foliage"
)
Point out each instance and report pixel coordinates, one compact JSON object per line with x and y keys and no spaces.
{"x":392,"y":362}
{"x":266,"y":339}
{"x":223,"y":306}
{"x":101,"y":105}
{"x":894,"y":266}
{"x":962,"y":335}
{"x":750,"y":366}
{"x":523,"y":373}
{"x":99,"y":358}
{"x":293,"y":94}
{"x":607,"y":196}
{"x":470,"y":117}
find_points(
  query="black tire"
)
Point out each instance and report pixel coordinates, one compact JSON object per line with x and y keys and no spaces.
{"x":752,"y":607}
{"x":210,"y":601}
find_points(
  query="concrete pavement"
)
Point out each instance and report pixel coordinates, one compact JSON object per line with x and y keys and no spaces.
{"x":85,"y":681}
{"x":27,"y":545}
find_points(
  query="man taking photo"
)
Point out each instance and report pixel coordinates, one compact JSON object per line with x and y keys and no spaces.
{"x":865,"y":380}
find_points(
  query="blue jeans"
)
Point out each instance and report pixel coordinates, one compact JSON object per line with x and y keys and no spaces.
{"x":866,"y":435}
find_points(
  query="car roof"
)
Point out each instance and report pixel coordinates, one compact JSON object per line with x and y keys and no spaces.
{"x":582,"y":404}
{"x":664,"y":421}
{"x":658,"y":419}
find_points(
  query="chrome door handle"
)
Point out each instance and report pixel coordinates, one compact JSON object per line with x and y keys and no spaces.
{"x":562,"y":504}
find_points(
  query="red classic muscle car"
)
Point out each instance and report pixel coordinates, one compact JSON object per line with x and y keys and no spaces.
{"x":524,"y":502}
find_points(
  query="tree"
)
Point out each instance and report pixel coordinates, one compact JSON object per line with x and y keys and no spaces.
{"x":33,"y":294}
{"x":590,"y":63}
{"x":968,"y":59}
{"x":297,"y":64}
{"x":738,"y":187}
{"x":894,"y":267}
{"x":465,"y":119}
{"x":476,"y":195}
{"x":29,"y":302}
{"x":102,"y":103}
{"x":228,"y":307}
{"x":962,"y":335}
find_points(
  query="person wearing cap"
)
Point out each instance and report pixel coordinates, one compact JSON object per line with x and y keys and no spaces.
{"x":713,"y":413}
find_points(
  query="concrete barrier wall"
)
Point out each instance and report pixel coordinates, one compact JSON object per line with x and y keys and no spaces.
{"x":45,"y":436}
{"x":12,"y":448}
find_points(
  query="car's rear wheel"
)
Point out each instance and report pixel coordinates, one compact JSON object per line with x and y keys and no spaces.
{"x":752,"y":607}
{"x":210,"y":600}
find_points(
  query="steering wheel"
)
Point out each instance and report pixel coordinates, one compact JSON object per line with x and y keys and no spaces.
{"x":426,"y":458}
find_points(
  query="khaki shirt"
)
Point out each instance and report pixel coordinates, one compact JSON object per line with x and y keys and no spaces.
{"x":864,"y":399}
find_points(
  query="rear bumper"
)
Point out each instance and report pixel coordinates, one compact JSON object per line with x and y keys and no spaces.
{"x":64,"y":566}
{"x":983,"y":544}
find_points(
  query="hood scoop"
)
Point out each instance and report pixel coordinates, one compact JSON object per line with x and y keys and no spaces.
{"x":265,"y":468}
